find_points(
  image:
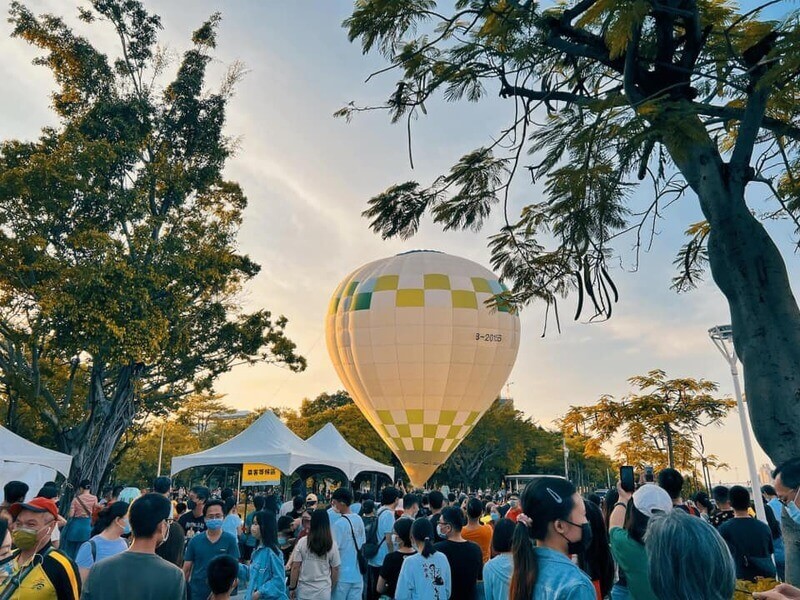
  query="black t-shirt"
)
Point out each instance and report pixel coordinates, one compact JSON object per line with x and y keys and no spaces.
{"x":466,"y":566}
{"x":191,"y":523}
{"x":390,"y":571}
{"x":747,"y":538}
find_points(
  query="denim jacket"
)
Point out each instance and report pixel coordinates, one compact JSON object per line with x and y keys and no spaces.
{"x":265,"y":574}
{"x":560,"y":579}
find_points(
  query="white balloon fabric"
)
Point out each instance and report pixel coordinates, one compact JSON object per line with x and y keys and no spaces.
{"x":422,"y":351}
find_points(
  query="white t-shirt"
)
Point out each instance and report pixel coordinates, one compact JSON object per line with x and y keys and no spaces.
{"x":343,"y":536}
{"x":286,"y":508}
{"x":314,"y":582}
{"x":424,"y":578}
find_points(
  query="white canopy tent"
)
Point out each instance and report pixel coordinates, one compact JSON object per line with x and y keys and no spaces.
{"x":267,"y":441}
{"x":330,"y":442}
{"x":22,"y":460}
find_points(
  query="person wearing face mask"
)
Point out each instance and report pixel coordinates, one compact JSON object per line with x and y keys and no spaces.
{"x":192,"y":520}
{"x":551,"y":527}
{"x":465,"y":557}
{"x":139,"y":572}
{"x":786,"y":481}
{"x":172,"y":549}
{"x":627,"y":525}
{"x":112,"y":524}
{"x":514,"y":509}
{"x":40,"y":571}
{"x":265,"y":575}
{"x":390,"y":570}
{"x":286,"y":538}
{"x":349,"y":534}
{"x":205,"y":546}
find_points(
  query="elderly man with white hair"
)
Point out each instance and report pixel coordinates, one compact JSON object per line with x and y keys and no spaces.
{"x":674,"y":573}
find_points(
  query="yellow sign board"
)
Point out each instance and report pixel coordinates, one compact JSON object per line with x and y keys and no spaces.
{"x":260,"y":474}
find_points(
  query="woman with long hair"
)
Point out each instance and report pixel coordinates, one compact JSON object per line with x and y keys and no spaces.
{"x":112,"y":524}
{"x":619,"y":591}
{"x":315,"y":570}
{"x":497,"y":572}
{"x":265,"y":574}
{"x":426,"y":574}
{"x":554,"y":517}
{"x":596,"y":561}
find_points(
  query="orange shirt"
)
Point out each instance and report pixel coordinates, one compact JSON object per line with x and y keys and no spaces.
{"x":481,"y":535}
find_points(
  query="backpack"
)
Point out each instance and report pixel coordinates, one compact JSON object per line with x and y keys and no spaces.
{"x":372,"y":545}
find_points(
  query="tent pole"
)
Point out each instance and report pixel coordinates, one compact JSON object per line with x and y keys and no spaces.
{"x":239,"y":489}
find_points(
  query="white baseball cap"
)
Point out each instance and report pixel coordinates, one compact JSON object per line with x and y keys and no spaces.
{"x":651,"y":500}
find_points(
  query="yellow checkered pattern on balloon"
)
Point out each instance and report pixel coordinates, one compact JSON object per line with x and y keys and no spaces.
{"x":426,"y":430}
{"x":359,"y":295}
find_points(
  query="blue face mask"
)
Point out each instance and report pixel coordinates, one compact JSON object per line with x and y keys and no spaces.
{"x":282,"y":541}
{"x":214,"y":524}
{"x":126,"y":528}
{"x":495,"y":516}
{"x":793,"y":510}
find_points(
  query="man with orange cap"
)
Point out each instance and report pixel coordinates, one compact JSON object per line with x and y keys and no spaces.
{"x":40,"y":571}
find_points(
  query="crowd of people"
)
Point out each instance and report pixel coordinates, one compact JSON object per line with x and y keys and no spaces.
{"x":548,"y":543}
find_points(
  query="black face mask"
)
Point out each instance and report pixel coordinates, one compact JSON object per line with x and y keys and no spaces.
{"x":191,"y":504}
{"x":582,"y":545}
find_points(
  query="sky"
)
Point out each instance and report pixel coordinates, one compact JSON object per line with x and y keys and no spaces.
{"x":308,"y":176}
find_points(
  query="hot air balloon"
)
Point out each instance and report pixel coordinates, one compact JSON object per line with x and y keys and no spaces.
{"x":421,"y":352}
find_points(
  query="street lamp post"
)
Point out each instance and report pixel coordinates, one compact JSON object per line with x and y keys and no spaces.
{"x":722,"y":336}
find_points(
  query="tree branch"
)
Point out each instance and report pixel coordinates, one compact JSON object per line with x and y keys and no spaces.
{"x":749,"y":127}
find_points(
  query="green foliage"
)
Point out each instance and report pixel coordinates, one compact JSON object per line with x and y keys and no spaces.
{"x":605,"y":94}
{"x":337,"y":408}
{"x":505,"y":442}
{"x":119,"y":270}
{"x":658,"y":425}
{"x":202,"y":422}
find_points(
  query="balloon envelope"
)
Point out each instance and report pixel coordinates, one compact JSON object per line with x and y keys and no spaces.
{"x":421,"y":352}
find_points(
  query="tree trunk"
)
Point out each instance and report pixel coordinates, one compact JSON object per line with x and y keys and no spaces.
{"x":92,"y":443}
{"x":670,"y":449}
{"x":749,"y":270}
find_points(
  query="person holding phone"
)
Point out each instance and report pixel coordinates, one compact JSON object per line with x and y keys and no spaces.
{"x":627,"y":525}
